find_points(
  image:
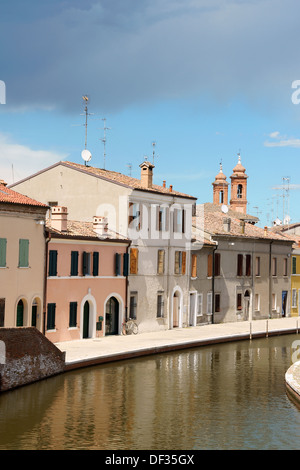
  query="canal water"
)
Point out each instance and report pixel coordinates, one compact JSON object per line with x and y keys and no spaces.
{"x":227,"y":396}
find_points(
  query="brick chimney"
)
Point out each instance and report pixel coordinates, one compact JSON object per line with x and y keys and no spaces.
{"x":146,"y":174}
{"x":100,"y":225}
{"x":3,"y":182}
{"x":59,"y":218}
{"x":226,"y":224}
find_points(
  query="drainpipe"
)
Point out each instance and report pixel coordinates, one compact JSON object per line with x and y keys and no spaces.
{"x":270,"y":279}
{"x":45,"y":280}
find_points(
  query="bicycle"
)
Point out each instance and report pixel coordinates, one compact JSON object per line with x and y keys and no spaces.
{"x":130,"y":327}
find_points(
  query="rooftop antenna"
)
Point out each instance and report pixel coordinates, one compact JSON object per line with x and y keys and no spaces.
{"x":153,"y":152}
{"x":129,"y":165}
{"x":104,"y":141}
{"x":86,"y":154}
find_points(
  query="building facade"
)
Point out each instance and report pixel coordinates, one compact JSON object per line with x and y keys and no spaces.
{"x":22,"y":259}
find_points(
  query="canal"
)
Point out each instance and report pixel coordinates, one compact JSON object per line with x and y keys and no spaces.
{"x":226,"y":396}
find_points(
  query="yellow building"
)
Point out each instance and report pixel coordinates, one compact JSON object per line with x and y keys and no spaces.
{"x":295,"y":282}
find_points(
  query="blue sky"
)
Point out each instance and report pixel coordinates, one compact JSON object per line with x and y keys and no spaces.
{"x":204,"y":79}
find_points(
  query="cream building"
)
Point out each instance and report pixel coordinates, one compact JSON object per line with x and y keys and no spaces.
{"x":22,"y":259}
{"x":157,"y":220}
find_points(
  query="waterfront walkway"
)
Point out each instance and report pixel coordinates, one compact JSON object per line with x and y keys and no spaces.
{"x":86,"y":352}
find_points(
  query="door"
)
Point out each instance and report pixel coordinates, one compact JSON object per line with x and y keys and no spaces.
{"x":20,"y":313}
{"x":192,"y":319}
{"x":284,"y":303}
{"x":86,"y":320}
{"x":112,"y":317}
{"x":33,"y":315}
{"x":2,"y":312}
{"x":175,"y":311}
{"x":246,"y":305}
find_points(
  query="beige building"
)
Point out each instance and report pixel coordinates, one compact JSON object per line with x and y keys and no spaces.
{"x":22,"y":259}
{"x":157,"y":220}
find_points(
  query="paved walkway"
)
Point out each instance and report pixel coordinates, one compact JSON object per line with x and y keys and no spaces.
{"x":81,"y":353}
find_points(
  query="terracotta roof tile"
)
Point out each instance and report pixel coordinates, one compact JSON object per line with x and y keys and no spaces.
{"x":77,"y":229}
{"x":7,"y":195}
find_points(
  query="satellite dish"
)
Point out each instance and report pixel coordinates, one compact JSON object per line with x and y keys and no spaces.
{"x":224,"y":209}
{"x":86,"y":155}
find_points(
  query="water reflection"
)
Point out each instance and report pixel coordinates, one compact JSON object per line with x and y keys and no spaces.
{"x":229,"y":396}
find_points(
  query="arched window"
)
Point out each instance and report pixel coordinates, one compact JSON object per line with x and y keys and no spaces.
{"x":221,"y":196}
{"x":239,"y":191}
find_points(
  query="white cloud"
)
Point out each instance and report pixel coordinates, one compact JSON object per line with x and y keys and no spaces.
{"x":281,"y":141}
{"x":18,"y":161}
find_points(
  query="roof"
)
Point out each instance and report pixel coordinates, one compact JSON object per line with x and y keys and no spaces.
{"x":212,"y":222}
{"x":9,"y":196}
{"x":113,"y":177}
{"x":210,"y":207}
{"x":80,"y":230}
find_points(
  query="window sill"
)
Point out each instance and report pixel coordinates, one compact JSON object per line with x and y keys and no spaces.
{"x":51,"y":331}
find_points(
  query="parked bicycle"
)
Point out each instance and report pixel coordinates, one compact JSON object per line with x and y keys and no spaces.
{"x":130,"y":327}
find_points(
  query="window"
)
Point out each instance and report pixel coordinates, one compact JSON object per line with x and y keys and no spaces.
{"x":117,"y":264}
{"x":52,"y":263}
{"x":74,"y":263}
{"x":209,"y":303}
{"x":23,"y":253}
{"x":239,"y":265}
{"x":199,"y":304}
{"x":51,"y":316}
{"x":162,"y":219}
{"x":160,"y":305}
{"x":217,"y":264}
{"x":194,"y":266}
{"x":294,"y":298}
{"x":160,"y":261}
{"x":180,"y":262}
{"x":239,"y":301}
{"x":221,"y":197}
{"x":285,"y":264}
{"x":3,"y":243}
{"x":248,"y":265}
{"x":86,"y":263}
{"x":274,"y":266}
{"x":239,"y":191}
{"x":257,"y":302}
{"x":217,"y":302}
{"x":125,"y":264}
{"x":209,"y":265}
{"x":95,"y":263}
{"x":2,"y":312}
{"x":294,"y":265}
{"x":133,"y":305}
{"x":134,"y":260}
{"x":73,"y":315}
{"x":134,"y":219}
{"x":179,"y":220}
{"x":257,"y":266}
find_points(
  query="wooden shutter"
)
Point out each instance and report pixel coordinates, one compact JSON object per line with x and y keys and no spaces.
{"x":52,"y":263}
{"x":3,"y":243}
{"x":125,"y":264}
{"x":23,"y":253}
{"x":95,"y":263}
{"x":177,"y":262}
{"x":134,"y":261}
{"x":239,"y":265}
{"x":73,"y":314}
{"x":239,"y":301}
{"x":183,"y":268}
{"x":117,"y":264}
{"x":294,"y":267}
{"x":209,"y":265}
{"x":217,"y":264}
{"x":2,"y":312}
{"x":160,"y":261}
{"x":194,"y":266}
{"x":248,"y":265}
{"x":217,"y":302}
{"x":209,"y":302}
{"x":51,"y":316}
{"x":74,"y":263}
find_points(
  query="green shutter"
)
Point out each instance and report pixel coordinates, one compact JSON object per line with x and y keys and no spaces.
{"x":23,"y":253}
{"x":74,"y":263}
{"x":117,"y":264}
{"x":125,"y":264}
{"x":3,"y":242}
{"x":52,"y":263}
{"x":73,"y":314}
{"x":95,"y":263}
{"x":51,"y":316}
{"x":294,"y":268}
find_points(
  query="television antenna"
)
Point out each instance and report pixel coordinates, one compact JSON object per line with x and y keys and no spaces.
{"x":104,"y":141}
{"x":153,"y":152}
{"x":129,"y":166}
{"x":86,"y":114}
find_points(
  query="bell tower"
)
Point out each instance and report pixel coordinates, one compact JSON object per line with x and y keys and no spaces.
{"x":220,"y":189}
{"x":238,"y":201}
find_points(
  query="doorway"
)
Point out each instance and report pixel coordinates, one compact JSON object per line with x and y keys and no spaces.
{"x":246,"y":305}
{"x":284,"y":303}
{"x":20,"y":313}
{"x":86,"y":320}
{"x":176,"y":309}
{"x":112,"y":317}
{"x":192,"y":316}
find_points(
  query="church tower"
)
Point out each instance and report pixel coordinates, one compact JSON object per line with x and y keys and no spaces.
{"x":238,"y":201}
{"x":220,"y":189}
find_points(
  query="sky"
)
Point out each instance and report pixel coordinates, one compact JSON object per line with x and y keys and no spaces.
{"x":203,"y":79}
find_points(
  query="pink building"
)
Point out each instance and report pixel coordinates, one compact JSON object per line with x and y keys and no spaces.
{"x":86,"y":279}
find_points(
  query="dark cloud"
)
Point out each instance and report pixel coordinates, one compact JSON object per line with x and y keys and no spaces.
{"x":128,"y":52}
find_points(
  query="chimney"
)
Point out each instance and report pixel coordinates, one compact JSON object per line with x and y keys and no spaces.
{"x":265,"y":231}
{"x":3,"y":182}
{"x":164,"y":184}
{"x":226,"y":224}
{"x":100,"y":225}
{"x":242,"y":224}
{"x":171,"y":188}
{"x":59,"y":218}
{"x":146,"y":174}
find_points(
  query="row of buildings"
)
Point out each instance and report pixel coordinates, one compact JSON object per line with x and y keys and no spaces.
{"x":83,"y":249}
